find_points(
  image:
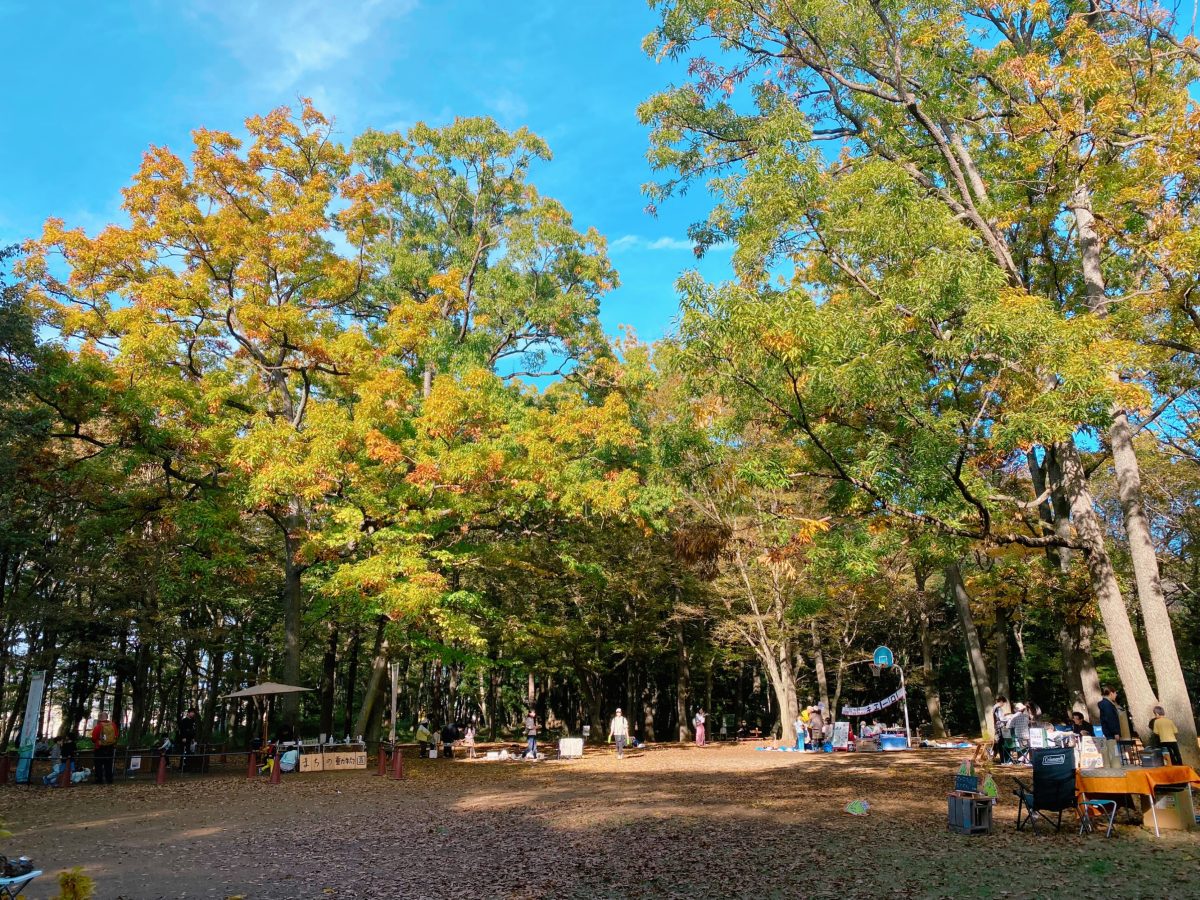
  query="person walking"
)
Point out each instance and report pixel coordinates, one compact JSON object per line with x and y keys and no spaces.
{"x":698,"y":723}
{"x":1168,"y":738}
{"x":531,"y":730}
{"x":618,"y":732}
{"x":1110,"y":724}
{"x":104,"y":740}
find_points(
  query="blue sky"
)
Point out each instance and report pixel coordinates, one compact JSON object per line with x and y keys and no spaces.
{"x":89,"y":86}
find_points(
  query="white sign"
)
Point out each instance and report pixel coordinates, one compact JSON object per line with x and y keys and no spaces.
{"x":1037,"y":738}
{"x":333,"y":760}
{"x":135,"y":763}
{"x":841,"y":735}
{"x":570,"y":748}
{"x":1090,"y":756}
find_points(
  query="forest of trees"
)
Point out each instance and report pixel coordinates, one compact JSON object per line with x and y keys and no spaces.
{"x":310,"y":409}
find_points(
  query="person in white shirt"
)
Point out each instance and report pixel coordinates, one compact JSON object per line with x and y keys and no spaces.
{"x":618,"y":732}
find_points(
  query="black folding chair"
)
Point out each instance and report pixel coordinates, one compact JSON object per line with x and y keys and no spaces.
{"x":1053,"y":789}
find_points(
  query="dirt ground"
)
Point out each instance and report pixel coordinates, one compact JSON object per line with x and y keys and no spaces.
{"x":721,"y":821}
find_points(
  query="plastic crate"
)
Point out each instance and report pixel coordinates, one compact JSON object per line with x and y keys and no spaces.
{"x":968,"y":813}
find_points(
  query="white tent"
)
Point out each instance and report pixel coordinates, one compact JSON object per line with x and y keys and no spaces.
{"x":258,"y":692}
{"x":266,"y":689}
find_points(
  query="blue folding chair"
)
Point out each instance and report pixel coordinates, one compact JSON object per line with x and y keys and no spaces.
{"x":12,"y":886}
{"x":1102,"y":808}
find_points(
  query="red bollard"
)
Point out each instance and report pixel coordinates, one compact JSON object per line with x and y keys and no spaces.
{"x":64,"y":777}
{"x":5,"y":765}
{"x":276,"y":771}
{"x":160,"y":777}
{"x":382,"y":770}
{"x":251,"y":764}
{"x":397,"y":764}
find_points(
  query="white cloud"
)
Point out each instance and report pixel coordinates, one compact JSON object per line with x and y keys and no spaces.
{"x":637,"y":242}
{"x":509,"y":107}
{"x":283,"y":43}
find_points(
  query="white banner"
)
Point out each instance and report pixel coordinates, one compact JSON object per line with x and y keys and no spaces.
{"x":873,"y":707}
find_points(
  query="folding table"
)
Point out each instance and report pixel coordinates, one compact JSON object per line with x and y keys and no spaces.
{"x":1142,"y":782}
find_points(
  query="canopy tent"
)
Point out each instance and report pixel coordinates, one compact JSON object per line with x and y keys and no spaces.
{"x":258,"y":692}
{"x":266,"y":689}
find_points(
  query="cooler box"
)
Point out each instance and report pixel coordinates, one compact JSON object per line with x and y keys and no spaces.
{"x":893,"y":742}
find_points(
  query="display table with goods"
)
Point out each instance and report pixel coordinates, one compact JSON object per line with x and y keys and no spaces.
{"x":1164,"y":793}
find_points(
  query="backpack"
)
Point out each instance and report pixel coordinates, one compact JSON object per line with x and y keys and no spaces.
{"x":108,"y":734}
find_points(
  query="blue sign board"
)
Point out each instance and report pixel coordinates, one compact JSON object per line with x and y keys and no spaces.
{"x":882,"y":657}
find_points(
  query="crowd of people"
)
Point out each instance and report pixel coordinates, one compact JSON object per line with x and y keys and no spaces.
{"x":1011,"y":726}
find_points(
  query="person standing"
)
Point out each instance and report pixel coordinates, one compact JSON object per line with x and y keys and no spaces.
{"x":1168,"y":737}
{"x":1110,"y":724}
{"x":618,"y":732}
{"x":799,"y":726}
{"x":469,"y":740}
{"x":104,"y":739}
{"x":531,"y":730}
{"x":186,"y":732}
{"x":698,"y":723}
{"x":816,"y":722}
{"x":999,"y":716}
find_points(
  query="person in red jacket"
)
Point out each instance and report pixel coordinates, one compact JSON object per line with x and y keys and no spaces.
{"x":104,"y":739}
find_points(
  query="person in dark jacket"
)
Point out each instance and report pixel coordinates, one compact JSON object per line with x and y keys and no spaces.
{"x":1110,"y":724}
{"x":1110,"y":720}
{"x":186,"y":732}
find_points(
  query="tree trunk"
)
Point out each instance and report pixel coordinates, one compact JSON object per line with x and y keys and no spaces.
{"x":819,"y":665}
{"x":933,"y":697}
{"x":974,"y":649}
{"x":329,"y":681}
{"x":783,"y":680}
{"x":1086,"y":666}
{"x":649,"y":707}
{"x":351,"y":679}
{"x":373,"y":693}
{"x":291,"y":626}
{"x":493,"y":707}
{"x":1156,"y":618}
{"x":1003,"y":684}
{"x":1126,"y":653}
{"x":1076,"y":635}
{"x":216,"y":669}
{"x":683,"y":679}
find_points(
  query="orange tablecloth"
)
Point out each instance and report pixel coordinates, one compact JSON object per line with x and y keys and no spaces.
{"x":1135,"y":781}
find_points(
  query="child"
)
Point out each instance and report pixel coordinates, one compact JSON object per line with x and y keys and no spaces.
{"x":469,"y":740}
{"x":1164,"y":729}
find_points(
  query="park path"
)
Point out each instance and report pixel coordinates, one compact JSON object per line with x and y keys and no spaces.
{"x":723,"y":821}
